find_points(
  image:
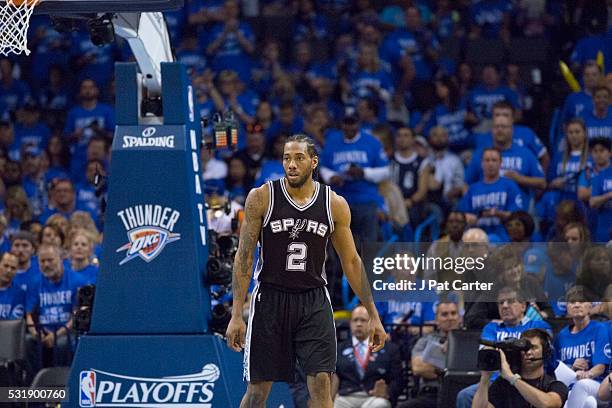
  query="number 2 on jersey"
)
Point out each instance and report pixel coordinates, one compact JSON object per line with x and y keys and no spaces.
{"x":296,"y":256}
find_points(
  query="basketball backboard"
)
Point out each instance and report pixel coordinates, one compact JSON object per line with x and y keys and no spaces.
{"x":55,"y":7}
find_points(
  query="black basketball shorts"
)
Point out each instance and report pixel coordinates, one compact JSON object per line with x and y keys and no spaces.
{"x":285,"y":327}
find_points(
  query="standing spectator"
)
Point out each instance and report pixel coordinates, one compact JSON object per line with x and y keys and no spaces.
{"x":237,"y":182}
{"x":511,"y":307}
{"x":451,"y":113}
{"x":595,"y":272}
{"x":411,"y":173}
{"x":448,"y":174}
{"x":353,"y":163}
{"x":518,"y":163}
{"x":12,"y":296}
{"x":62,"y":201}
{"x":272,"y":167}
{"x":52,"y":235}
{"x":600,"y":154}
{"x":316,"y":124}
{"x":88,"y":119}
{"x":54,"y":96}
{"x":214,"y":171}
{"x":582,"y":346}
{"x":578,"y":103}
{"x":230,"y":43}
{"x":93,"y":62}
{"x":370,"y":80}
{"x":309,"y":25}
{"x":58,"y":154}
{"x":482,"y":97}
{"x":268,"y":68}
{"x":29,"y":130}
{"x":253,"y":154}
{"x":489,"y":202}
{"x":465,"y":78}
{"x":288,"y":122}
{"x":5,"y":239}
{"x":87,"y":196}
{"x":415,"y":44}
{"x":14,"y":93}
{"x":449,"y":245}
{"x":362,"y":378}
{"x":599,"y":121}
{"x":426,"y":349}
{"x":601,"y":201}
{"x":27,"y":267}
{"x":575,"y":156}
{"x":490,"y":19}
{"x":34,"y":180}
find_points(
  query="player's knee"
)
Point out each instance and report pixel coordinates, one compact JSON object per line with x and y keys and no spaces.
{"x":321,"y":384}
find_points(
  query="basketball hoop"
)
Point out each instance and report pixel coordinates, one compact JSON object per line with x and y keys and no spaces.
{"x":14,"y":23}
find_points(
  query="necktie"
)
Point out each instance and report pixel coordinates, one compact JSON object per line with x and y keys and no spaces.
{"x":361,"y":359}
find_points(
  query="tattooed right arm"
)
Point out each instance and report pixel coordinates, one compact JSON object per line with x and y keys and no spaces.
{"x":254,"y":211}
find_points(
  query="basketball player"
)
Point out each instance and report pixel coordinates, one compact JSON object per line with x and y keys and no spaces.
{"x":291,"y":314}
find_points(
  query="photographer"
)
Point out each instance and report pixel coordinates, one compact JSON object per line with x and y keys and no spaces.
{"x":531,"y":387}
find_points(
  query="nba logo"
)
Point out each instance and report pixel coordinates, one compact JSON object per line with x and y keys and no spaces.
{"x":87,"y":396}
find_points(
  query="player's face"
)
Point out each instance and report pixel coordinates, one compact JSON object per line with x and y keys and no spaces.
{"x":298,"y":164}
{"x":491,"y":163}
{"x":50,"y":262}
{"x":8,"y":268}
{"x":601,"y":155}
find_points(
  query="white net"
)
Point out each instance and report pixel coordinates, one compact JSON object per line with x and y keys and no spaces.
{"x":14,"y":22}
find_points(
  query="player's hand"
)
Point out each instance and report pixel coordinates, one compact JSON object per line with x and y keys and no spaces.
{"x":377,"y":335}
{"x":236,"y":334}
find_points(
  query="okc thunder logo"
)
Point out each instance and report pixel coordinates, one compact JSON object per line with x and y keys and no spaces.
{"x":87,"y":396}
{"x":147,"y":243}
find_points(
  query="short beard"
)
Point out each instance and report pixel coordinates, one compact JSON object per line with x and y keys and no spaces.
{"x":300,"y":182}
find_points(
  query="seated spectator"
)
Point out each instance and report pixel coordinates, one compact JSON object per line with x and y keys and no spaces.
{"x":490,"y":19}
{"x":81,"y":254}
{"x":230,"y":43}
{"x":411,"y":173}
{"x":18,"y":208}
{"x":13,"y":92}
{"x":367,"y":114}
{"x":27,"y":267}
{"x":62,"y":200}
{"x":482,"y":97}
{"x":530,"y":387}
{"x":58,"y":154}
{"x":238,"y":182}
{"x":447,"y":180}
{"x":253,"y":154}
{"x":5,"y":239}
{"x":309,"y":25}
{"x":34,"y":179}
{"x":50,"y":305}
{"x":518,"y":163}
{"x":267,"y":69}
{"x":272,"y":167}
{"x":448,"y":246}
{"x":555,"y":216}
{"x":317,"y":123}
{"x":451,"y":113}
{"x":595,"y":271}
{"x":601,"y":202}
{"x":52,"y":235}
{"x":566,"y":172}
{"x":511,"y":306}
{"x":362,"y":378}
{"x":489,"y":202}
{"x":598,"y":121}
{"x":12,"y":296}
{"x":370,"y":80}
{"x":60,"y":222}
{"x":29,"y":129}
{"x":288,"y":122}
{"x":582,"y":346}
{"x":520,"y":228}
{"x":427,"y":357}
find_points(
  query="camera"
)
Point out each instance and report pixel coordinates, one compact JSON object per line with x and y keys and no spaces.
{"x":222,"y":250}
{"x":490,"y":360}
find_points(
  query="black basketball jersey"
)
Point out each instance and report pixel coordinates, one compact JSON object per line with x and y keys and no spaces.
{"x":294,"y":239}
{"x":405,"y":173}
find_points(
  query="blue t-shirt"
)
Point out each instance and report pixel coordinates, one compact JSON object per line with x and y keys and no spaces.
{"x":482,"y":99}
{"x":270,"y":170}
{"x":489,"y":16}
{"x":36,"y":135}
{"x":556,"y":286}
{"x":453,"y":122}
{"x":14,"y":96}
{"x":230,"y":54}
{"x":521,"y":136}
{"x":602,"y":184}
{"x":102,"y":64}
{"x":598,"y":127}
{"x":503,"y":194}
{"x":516,"y":158}
{"x":364,"y":83}
{"x":55,"y":302}
{"x":576,"y":104}
{"x":88,"y":275}
{"x":500,"y":331}
{"x":570,"y":173}
{"x":26,"y":279}
{"x":12,"y":302}
{"x":587,"y":48}
{"x":589,"y":343}
{"x":394,"y":312}
{"x":365,"y":151}
{"x":403,"y":42}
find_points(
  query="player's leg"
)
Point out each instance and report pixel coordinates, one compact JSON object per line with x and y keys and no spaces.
{"x":319,"y":387}
{"x":256,"y":394}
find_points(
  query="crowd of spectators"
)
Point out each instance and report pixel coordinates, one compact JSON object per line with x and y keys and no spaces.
{"x":413,"y":115}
